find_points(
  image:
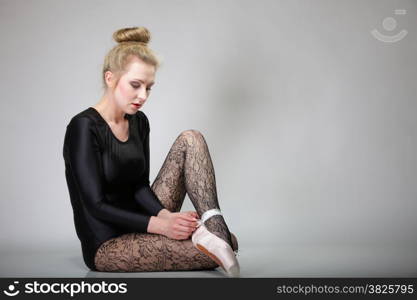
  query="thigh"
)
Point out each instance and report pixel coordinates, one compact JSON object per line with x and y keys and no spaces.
{"x":169,"y":184}
{"x":183,"y":255}
{"x":115,"y":255}
{"x":146,"y":252}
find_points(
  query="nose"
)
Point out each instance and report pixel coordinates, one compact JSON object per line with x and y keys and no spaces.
{"x":142,"y":94}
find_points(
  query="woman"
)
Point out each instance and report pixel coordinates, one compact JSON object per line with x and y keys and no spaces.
{"x":123,"y":223}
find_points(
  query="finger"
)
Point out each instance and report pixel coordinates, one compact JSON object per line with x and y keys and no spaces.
{"x":186,"y":235}
{"x":192,"y":224}
{"x":187,"y":229}
{"x":184,"y":229}
{"x":186,"y":214}
{"x":191,"y":229}
{"x":180,"y":237}
{"x":183,"y":235}
{"x":194,"y":214}
{"x":187,"y":217}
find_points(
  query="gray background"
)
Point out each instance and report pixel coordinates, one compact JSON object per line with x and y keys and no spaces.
{"x":310,"y":120}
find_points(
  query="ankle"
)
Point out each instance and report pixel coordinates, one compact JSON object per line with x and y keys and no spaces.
{"x":217,"y":226}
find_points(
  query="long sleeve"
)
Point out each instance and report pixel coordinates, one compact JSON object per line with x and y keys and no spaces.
{"x":84,"y":161}
{"x":144,"y":196}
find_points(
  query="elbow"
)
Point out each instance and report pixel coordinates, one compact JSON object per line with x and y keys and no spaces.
{"x":95,"y":209}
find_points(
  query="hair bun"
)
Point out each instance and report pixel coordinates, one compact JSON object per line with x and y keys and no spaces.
{"x":132,"y":34}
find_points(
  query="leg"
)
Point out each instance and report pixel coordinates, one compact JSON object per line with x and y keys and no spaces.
{"x":188,"y":168}
{"x":145,"y":252}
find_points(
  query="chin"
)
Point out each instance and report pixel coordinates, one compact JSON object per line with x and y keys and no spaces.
{"x":131,"y":110}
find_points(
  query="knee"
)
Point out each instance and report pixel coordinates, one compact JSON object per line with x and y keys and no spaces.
{"x":191,"y":135}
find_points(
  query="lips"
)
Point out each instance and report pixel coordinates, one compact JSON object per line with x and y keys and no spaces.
{"x":136,"y":105}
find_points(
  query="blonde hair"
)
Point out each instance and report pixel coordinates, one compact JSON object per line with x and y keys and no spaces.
{"x":132,"y":41}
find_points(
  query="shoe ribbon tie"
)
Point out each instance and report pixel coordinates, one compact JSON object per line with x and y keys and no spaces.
{"x":208,"y":214}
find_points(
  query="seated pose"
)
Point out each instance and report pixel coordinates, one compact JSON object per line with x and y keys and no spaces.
{"x":123,"y":223}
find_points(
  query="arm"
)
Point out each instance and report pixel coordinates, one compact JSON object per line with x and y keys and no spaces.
{"x":144,"y":196}
{"x":84,"y":160}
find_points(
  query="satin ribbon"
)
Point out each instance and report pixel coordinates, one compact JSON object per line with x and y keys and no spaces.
{"x":208,"y":214}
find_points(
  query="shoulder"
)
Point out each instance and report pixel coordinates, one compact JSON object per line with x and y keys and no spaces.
{"x":83,"y":120}
{"x":141,"y":116}
{"x":142,"y":119}
{"x":79,"y":131}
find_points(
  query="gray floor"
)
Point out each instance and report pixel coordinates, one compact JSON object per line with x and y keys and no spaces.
{"x":259,"y":261}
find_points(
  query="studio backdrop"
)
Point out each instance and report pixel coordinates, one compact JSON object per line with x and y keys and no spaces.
{"x":309,"y":109}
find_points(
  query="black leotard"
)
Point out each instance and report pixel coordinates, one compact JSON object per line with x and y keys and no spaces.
{"x":108,"y":179}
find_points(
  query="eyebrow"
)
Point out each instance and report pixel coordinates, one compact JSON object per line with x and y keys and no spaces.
{"x":151,"y":83}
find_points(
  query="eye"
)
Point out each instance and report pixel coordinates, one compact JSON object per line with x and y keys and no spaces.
{"x":138,"y":86}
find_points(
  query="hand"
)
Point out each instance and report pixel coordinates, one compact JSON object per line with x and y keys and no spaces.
{"x":193,"y":214}
{"x":165,"y":213}
{"x":178,"y":225}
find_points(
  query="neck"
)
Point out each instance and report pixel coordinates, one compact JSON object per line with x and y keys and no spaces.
{"x":109,"y":110}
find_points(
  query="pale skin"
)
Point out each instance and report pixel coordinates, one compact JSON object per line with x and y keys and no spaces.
{"x":134,"y":87}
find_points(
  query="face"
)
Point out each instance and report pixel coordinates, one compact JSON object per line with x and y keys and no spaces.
{"x":134,"y":86}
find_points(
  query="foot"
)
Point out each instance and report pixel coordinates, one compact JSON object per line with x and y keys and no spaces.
{"x":217,"y":226}
{"x":217,"y":249}
{"x":235,"y":245}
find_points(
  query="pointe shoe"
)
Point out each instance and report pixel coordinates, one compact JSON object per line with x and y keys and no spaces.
{"x":216,"y":248}
{"x":235,"y":245}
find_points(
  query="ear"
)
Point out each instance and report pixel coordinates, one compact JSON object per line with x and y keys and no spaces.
{"x":109,"y":78}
